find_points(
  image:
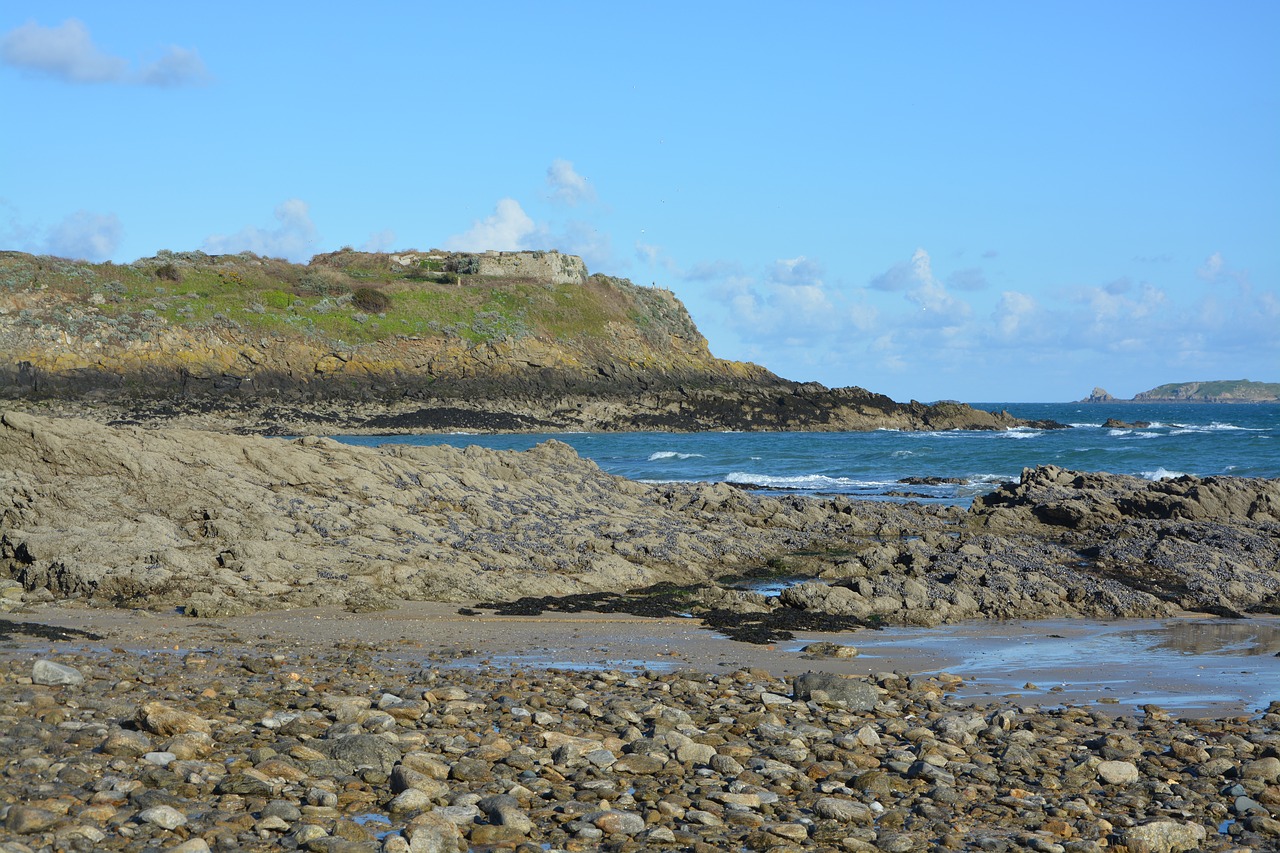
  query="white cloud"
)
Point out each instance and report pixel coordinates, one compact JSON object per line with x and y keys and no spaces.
{"x":381,"y":241}
{"x":788,"y":307}
{"x":796,"y":271}
{"x":67,"y":53}
{"x":567,"y":185}
{"x":1014,"y":314}
{"x":713,"y":271}
{"x":294,"y":239}
{"x":918,"y":285}
{"x":507,"y":230}
{"x":1212,"y":267}
{"x":583,"y":239}
{"x":178,"y":67}
{"x":1113,"y":310}
{"x":85,"y":236}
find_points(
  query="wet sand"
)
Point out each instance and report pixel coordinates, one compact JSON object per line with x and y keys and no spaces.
{"x":1189,"y":666}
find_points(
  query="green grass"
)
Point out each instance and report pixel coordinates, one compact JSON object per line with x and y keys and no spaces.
{"x":263,"y":296}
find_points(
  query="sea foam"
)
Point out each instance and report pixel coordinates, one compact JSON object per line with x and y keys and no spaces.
{"x":802,"y":481}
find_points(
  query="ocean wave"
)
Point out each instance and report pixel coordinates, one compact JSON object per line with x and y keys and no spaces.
{"x":1147,"y":435}
{"x":902,"y":453}
{"x":673,"y":454}
{"x":1020,"y":432}
{"x":1161,"y":473}
{"x":804,"y":482}
{"x":1119,"y":432}
{"x":1216,"y":426}
{"x":1084,"y":426}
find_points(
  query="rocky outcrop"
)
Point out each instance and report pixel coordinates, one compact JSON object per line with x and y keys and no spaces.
{"x":1071,"y":499}
{"x":222,"y":524}
{"x":1099,"y":395}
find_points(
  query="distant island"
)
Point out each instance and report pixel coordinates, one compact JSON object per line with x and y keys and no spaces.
{"x":1216,"y":391}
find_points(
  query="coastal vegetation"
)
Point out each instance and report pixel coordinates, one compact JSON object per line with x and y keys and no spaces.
{"x":345,"y":298}
{"x":416,"y":341}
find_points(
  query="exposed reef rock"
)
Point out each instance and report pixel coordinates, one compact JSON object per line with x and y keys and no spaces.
{"x":1099,"y":395}
{"x":224,"y":524}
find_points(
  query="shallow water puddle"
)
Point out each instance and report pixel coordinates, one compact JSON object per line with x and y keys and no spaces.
{"x":1181,"y":664}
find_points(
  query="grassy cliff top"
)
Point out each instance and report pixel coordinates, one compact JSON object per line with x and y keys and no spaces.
{"x":346,"y":298}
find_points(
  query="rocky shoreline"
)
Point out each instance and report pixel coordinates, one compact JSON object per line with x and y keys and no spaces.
{"x":223,"y":524}
{"x":209,"y":737}
{"x":539,"y":404}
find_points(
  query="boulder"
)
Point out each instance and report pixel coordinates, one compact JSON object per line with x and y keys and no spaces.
{"x":855,"y":693}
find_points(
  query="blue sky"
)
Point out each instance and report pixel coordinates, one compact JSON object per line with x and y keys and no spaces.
{"x":979,"y":201}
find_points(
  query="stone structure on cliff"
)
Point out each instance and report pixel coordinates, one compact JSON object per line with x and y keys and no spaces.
{"x":552,"y":266}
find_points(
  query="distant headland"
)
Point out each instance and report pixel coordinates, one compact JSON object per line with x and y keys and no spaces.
{"x":1216,"y":391}
{"x":415,"y":341}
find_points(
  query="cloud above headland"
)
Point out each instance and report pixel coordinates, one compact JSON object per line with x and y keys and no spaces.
{"x":567,"y":185}
{"x":507,"y":229}
{"x":67,"y":53}
{"x":294,"y":238}
{"x":85,"y":236}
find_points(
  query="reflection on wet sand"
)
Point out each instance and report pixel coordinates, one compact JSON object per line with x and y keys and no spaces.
{"x":1186,"y":664}
{"x":1220,"y":637}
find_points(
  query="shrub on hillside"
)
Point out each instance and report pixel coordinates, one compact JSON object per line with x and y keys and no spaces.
{"x":324,"y":282}
{"x":371,"y":300}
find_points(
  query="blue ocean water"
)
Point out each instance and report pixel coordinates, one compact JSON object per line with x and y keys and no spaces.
{"x":1201,"y":439}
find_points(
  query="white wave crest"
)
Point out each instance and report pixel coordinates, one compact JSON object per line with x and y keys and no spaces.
{"x":1216,"y":426}
{"x":802,"y":481}
{"x":1161,"y":473}
{"x":673,"y":454}
{"x":1019,"y":432}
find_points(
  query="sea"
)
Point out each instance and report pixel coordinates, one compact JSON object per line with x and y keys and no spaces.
{"x":1201,"y":439}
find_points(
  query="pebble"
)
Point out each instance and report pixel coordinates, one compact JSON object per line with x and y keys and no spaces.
{"x":369,"y":751}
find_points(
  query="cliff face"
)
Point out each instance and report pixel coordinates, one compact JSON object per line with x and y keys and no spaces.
{"x":406,"y":342}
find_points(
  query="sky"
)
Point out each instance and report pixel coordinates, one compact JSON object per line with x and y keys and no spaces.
{"x":981,"y":201}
